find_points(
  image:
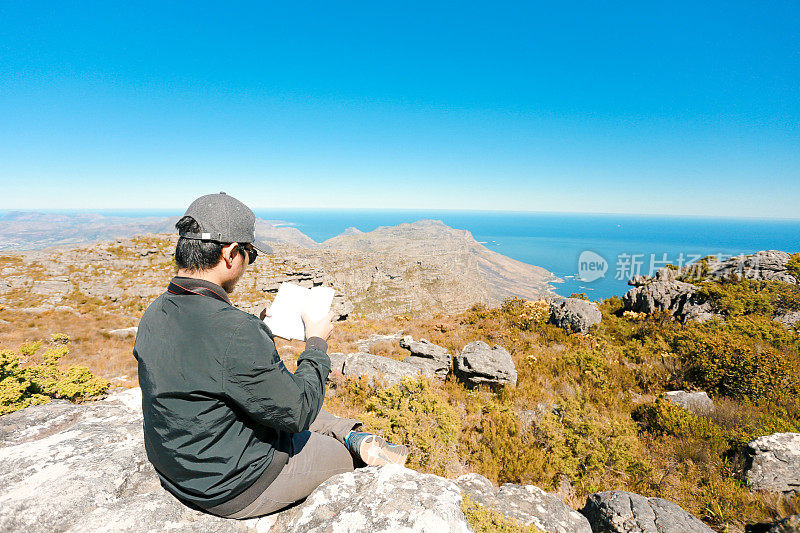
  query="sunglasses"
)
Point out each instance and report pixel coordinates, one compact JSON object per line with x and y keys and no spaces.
{"x":252,"y":253}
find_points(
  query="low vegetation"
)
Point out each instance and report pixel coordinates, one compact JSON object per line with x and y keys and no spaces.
{"x":43,"y":378}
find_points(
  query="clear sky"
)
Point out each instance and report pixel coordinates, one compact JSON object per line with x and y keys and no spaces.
{"x":669,"y":108}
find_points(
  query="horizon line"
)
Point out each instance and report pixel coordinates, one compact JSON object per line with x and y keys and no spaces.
{"x":70,"y":210}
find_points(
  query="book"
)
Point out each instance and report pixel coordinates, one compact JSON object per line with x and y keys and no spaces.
{"x":290,"y":303}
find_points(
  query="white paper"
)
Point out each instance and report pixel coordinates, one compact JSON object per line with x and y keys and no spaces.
{"x":290,"y":303}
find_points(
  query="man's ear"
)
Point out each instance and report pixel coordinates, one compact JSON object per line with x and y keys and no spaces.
{"x":229,"y":252}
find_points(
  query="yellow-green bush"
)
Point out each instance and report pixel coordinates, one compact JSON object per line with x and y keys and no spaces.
{"x":410,"y":413}
{"x":720,"y":358}
{"x":36,"y":384}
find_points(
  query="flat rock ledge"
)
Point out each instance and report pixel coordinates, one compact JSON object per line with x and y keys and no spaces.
{"x":618,"y":511}
{"x":83,"y":468}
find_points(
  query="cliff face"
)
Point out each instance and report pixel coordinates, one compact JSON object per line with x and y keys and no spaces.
{"x":429,"y":265}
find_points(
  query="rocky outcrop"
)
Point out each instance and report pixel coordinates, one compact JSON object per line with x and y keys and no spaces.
{"x":479,"y":363}
{"x":766,"y":265}
{"x":696,"y":402}
{"x":664,"y":293}
{"x":574,"y":315}
{"x":68,"y":467}
{"x":772,"y":462}
{"x":527,"y":504}
{"x":617,"y":511}
{"x":123,"y":333}
{"x":424,"y":353}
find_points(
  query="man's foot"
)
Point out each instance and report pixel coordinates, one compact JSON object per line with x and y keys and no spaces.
{"x":375,"y":451}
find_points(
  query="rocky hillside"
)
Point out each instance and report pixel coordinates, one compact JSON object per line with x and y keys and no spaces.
{"x":419,"y":269}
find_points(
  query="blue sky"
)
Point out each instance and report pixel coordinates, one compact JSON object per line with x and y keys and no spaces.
{"x":676,"y":108}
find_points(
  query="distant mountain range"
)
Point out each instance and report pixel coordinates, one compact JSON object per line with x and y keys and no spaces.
{"x":412,"y":266}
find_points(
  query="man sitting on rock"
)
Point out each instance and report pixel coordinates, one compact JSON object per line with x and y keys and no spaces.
{"x":228,"y":428}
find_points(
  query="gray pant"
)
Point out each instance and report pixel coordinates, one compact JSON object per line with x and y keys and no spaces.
{"x":316,"y":455}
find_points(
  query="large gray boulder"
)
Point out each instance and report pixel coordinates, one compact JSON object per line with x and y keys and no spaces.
{"x":424,"y":353}
{"x":384,"y":369}
{"x":67,"y":467}
{"x":378,"y":500}
{"x":617,"y":511}
{"x":479,"y":363}
{"x":772,"y":462}
{"x":83,"y":468}
{"x":695,"y":402}
{"x":574,"y":315}
{"x":526,"y":504}
{"x":667,"y":295}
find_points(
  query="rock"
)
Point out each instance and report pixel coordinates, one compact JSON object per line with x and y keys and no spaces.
{"x":527,"y":504}
{"x":766,"y":265}
{"x":665,"y":294}
{"x":574,"y":315}
{"x":790,"y":524}
{"x":788,"y":320}
{"x":124,"y":332}
{"x":379,"y":500}
{"x":772,"y":462}
{"x":425,"y":348}
{"x":424,"y":353}
{"x":381,"y":368}
{"x":337,"y":362}
{"x":696,"y":402}
{"x":38,"y":309}
{"x":365,"y":344}
{"x":532,"y":417}
{"x":59,"y":287}
{"x":83,"y":467}
{"x":617,"y":511}
{"x":478,"y":363}
{"x":428,"y":367}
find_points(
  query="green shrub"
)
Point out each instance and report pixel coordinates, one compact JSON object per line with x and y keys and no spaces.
{"x":721,"y":359}
{"x":38,"y":383}
{"x":412,"y":414}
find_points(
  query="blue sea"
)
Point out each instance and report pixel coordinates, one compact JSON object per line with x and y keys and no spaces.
{"x":628,"y":244}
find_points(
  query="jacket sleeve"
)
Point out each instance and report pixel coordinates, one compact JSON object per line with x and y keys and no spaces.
{"x":256,"y":379}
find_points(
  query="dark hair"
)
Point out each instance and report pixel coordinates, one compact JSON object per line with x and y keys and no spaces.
{"x":193,"y":254}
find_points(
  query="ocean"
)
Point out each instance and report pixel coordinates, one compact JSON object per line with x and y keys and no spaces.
{"x":629,"y":244}
{"x":574,"y":247}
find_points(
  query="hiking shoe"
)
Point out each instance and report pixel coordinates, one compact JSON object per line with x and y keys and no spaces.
{"x":375,"y":451}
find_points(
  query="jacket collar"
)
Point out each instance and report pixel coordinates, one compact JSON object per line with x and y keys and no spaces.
{"x":201,"y":287}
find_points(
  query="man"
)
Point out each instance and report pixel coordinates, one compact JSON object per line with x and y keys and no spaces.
{"x":227,"y":427}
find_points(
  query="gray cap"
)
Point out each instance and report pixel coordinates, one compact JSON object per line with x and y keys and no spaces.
{"x":223,"y":218}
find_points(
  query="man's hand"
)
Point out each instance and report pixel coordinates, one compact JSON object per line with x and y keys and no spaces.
{"x":265,"y":312}
{"x":321,"y":328}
